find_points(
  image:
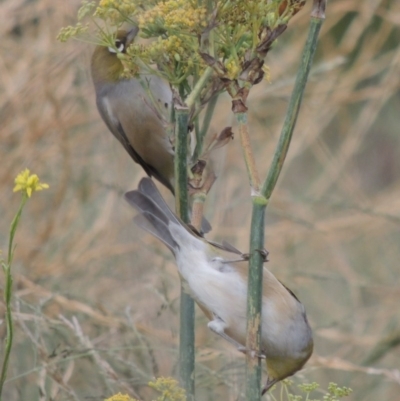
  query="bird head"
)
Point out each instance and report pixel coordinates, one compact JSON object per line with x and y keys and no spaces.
{"x":105,"y":64}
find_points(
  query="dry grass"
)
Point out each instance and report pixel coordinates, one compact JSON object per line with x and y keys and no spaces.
{"x":96,"y":300}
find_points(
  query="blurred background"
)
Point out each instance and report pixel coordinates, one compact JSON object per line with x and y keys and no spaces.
{"x":96,"y":299}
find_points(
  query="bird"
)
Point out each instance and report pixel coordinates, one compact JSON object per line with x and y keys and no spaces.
{"x":127,"y":110}
{"x":219,"y":287}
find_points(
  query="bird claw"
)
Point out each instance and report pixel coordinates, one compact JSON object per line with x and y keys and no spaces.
{"x":253,"y":353}
{"x":264,"y":254}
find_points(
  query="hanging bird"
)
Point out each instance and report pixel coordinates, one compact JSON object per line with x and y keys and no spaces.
{"x":126,"y":109}
{"x":219,"y":286}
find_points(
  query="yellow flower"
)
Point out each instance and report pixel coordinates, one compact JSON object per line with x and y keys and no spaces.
{"x":28,"y":183}
{"x":120,"y":397}
{"x":169,"y":389}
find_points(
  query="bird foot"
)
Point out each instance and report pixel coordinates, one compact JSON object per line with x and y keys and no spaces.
{"x":263,"y":252}
{"x":253,"y":353}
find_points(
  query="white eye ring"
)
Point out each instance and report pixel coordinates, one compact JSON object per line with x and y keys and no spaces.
{"x":120,"y":48}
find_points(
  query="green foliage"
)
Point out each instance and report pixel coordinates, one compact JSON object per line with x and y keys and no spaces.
{"x":311,"y":392}
{"x":167,"y":387}
{"x":186,"y":36}
{"x":170,"y":391}
{"x":27,"y":184}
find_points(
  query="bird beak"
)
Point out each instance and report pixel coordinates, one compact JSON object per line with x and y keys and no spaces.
{"x":131,"y":35}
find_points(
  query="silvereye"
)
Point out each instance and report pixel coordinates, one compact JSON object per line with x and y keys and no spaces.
{"x":219,"y":286}
{"x":126,"y":109}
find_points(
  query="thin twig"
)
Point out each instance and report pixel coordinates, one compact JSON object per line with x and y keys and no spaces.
{"x":248,"y":152}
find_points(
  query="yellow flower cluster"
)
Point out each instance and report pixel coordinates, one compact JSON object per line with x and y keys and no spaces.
{"x":27,"y":183}
{"x":175,"y":14}
{"x":176,"y":56}
{"x":233,"y":68}
{"x":120,"y":397}
{"x":172,"y":46}
{"x":124,"y":6}
{"x":115,"y":11}
{"x":180,"y":30}
{"x":169,"y":389}
{"x":72,"y":31}
{"x":239,"y":11}
{"x":166,"y":386}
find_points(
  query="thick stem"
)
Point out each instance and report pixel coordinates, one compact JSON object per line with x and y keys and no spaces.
{"x":181,"y":177}
{"x":254,"y":300}
{"x":186,"y":344}
{"x":186,"y":337}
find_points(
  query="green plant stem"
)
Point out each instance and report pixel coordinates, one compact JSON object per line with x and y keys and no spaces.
{"x":247,"y":151}
{"x":205,"y":126}
{"x":186,"y":344}
{"x":294,"y":103}
{"x":8,"y":294}
{"x":254,"y":301}
{"x":195,"y":93}
{"x":181,"y":178}
{"x":186,"y":340}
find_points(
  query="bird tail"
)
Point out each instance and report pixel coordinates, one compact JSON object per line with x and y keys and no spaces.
{"x":154,"y":216}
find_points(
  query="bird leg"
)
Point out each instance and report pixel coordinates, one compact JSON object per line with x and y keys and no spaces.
{"x":218,"y":326}
{"x":244,"y":257}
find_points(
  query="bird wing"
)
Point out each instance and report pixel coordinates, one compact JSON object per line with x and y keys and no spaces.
{"x":118,"y":120}
{"x":271,"y":285}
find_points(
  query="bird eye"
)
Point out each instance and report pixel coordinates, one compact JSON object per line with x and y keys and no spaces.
{"x":119,"y":45}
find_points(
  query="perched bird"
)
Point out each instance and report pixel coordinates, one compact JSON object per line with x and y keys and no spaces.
{"x":219,"y":286}
{"x":126,"y":109}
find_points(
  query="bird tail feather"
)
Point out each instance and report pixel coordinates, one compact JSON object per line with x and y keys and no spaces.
{"x":155,"y":215}
{"x":157,"y":228}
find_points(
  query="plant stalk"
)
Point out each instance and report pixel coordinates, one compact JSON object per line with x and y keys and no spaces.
{"x":8,"y":294}
{"x":204,"y":128}
{"x":295,"y":99}
{"x":252,"y":171}
{"x":186,"y":338}
{"x":254,"y":301}
{"x":200,"y":84}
